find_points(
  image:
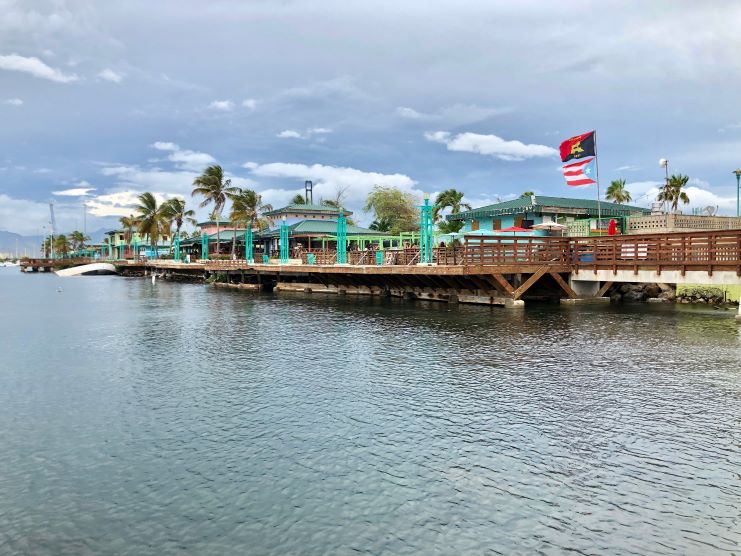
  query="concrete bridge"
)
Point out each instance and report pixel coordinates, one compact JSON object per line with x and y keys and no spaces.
{"x":496,"y":270}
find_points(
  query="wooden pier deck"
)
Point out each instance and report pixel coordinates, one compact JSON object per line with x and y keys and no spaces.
{"x":497,"y":270}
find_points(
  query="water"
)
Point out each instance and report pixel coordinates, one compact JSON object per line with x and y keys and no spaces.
{"x":174,"y":418}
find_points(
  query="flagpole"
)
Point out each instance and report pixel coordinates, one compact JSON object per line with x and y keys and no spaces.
{"x":596,"y":167}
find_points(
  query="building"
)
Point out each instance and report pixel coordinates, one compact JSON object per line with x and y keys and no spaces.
{"x":125,"y":249}
{"x":525,"y":212}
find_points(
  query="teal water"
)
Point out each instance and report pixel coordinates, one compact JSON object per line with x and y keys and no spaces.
{"x":185,"y":419}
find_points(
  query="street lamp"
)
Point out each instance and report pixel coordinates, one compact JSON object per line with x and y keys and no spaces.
{"x":664,"y":163}
{"x":738,"y":191}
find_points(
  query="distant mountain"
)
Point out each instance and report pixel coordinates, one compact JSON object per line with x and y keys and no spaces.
{"x":12,"y":243}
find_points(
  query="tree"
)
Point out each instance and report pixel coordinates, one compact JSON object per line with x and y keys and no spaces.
{"x":393,"y":208}
{"x":152,"y":221}
{"x":617,"y":193}
{"x":174,"y":212}
{"x":129,"y":223}
{"x":381,"y":225}
{"x":332,"y":203}
{"x":213,"y":187}
{"x":61,"y":245}
{"x":46,"y":246}
{"x":673,"y":191}
{"x":298,"y":199}
{"x":77,"y":240}
{"x":450,"y":198}
{"x":527,"y":194}
{"x":248,"y":210}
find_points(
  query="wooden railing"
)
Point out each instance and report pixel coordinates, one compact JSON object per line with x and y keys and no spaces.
{"x":496,"y":250}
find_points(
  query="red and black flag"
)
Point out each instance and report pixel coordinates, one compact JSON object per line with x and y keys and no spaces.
{"x":580,"y":146}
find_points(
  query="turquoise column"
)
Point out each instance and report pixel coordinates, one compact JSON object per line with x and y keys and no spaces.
{"x":341,"y":238}
{"x":136,"y":249}
{"x":248,"y":254}
{"x":204,"y":246}
{"x":283,"y":241}
{"x":110,"y":251}
{"x":121,"y":247}
{"x":425,"y":232}
{"x":176,"y":249}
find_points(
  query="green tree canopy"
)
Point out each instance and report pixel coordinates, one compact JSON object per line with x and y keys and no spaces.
{"x":673,"y":191}
{"x":527,"y":194}
{"x":298,"y":199}
{"x":174,"y":212}
{"x":617,"y":193}
{"x":248,"y":210}
{"x":393,"y":208}
{"x":152,"y":221}
{"x":213,"y":186}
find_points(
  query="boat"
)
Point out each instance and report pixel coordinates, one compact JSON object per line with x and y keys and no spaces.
{"x":92,"y":269}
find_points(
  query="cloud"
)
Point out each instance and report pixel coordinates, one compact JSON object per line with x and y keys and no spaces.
{"x":328,"y":180}
{"x":110,"y":75}
{"x":491,"y":145}
{"x":698,"y":191}
{"x":729,"y":127}
{"x":74,"y":192}
{"x":35,"y":67}
{"x":308,"y":134}
{"x":249,"y":103}
{"x":186,"y":159}
{"x":289,"y":134}
{"x":13,"y":101}
{"x":627,"y":168}
{"x":120,"y":203}
{"x":457,"y":114}
{"x":223,"y":105}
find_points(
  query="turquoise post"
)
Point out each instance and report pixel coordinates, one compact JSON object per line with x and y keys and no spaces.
{"x":248,"y":254}
{"x":136,"y":250}
{"x":121,"y":247}
{"x":110,"y":251}
{"x":341,"y":238}
{"x":176,"y":249}
{"x":425,"y":232}
{"x":283,"y":242}
{"x":204,"y":246}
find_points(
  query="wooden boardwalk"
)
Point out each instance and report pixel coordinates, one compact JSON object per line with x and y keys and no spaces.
{"x":499,"y":269}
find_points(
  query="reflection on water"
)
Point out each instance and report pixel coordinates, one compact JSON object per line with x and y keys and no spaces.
{"x":142,"y":419}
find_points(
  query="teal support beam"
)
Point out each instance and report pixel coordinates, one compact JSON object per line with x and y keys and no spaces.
{"x":248,"y":254}
{"x":426,"y":239}
{"x":136,"y":249}
{"x":121,"y":252}
{"x":341,"y":238}
{"x":204,"y":246}
{"x":176,"y":249}
{"x":283,"y":241}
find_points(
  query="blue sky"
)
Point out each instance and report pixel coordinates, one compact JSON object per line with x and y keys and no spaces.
{"x":109,"y":99}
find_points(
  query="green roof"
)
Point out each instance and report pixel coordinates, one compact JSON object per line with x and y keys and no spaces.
{"x":300,"y":207}
{"x":539,"y":204}
{"x":318,"y":228}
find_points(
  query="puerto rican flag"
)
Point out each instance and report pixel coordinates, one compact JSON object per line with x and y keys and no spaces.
{"x":580,"y":173}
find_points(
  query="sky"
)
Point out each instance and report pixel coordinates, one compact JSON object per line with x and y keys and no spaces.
{"x":100,"y":101}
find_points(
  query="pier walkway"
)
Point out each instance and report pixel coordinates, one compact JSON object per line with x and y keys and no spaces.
{"x":500,"y":270}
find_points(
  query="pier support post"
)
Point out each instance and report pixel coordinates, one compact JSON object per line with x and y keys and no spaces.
{"x":584,"y":288}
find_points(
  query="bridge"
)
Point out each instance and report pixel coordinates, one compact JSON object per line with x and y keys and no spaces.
{"x":498,"y":270}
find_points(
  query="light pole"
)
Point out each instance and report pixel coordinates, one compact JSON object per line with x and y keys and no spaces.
{"x":425,"y":231}
{"x":341,"y":239}
{"x":283,"y":241}
{"x":664,"y":163}
{"x":738,"y":191}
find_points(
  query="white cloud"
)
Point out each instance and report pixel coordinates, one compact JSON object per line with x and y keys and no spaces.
{"x":110,"y":75}
{"x":308,"y":134}
{"x":457,"y":114}
{"x":289,"y":134}
{"x":328,"y":180}
{"x":491,"y":145}
{"x":223,"y":105}
{"x":186,"y":159}
{"x":13,"y":101}
{"x":250,"y":165}
{"x":698,"y":191}
{"x":35,"y":67}
{"x":627,"y":168}
{"x":249,"y":103}
{"x":120,"y":203}
{"x":75,"y":191}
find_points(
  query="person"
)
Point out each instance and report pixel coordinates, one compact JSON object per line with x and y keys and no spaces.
{"x":612,"y":228}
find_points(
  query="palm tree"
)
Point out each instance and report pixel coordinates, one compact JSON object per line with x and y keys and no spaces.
{"x":128,"y":223}
{"x":332,"y":203}
{"x":248,"y":210}
{"x":617,"y":193}
{"x":61,"y":245}
{"x":298,"y":199}
{"x":673,"y":193}
{"x":214,"y":188}
{"x":152,"y":221}
{"x":174,"y":212}
{"x":450,"y":198}
{"x":77,"y":240}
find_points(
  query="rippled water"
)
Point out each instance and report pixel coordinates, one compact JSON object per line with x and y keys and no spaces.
{"x":139,"y":419}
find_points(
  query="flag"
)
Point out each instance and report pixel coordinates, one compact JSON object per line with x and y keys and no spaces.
{"x":580,"y":173}
{"x":580,"y":146}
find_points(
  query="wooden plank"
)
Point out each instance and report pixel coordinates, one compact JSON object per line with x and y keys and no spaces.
{"x":502,"y":281}
{"x":603,"y":290}
{"x":560,"y":281}
{"x":529,"y":282}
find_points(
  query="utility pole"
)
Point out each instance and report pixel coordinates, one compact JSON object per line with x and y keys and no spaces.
{"x":738,"y":191}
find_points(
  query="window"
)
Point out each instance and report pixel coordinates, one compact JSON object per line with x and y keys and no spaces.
{"x":518,"y":221}
{"x":474,"y":225}
{"x":496,"y":224}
